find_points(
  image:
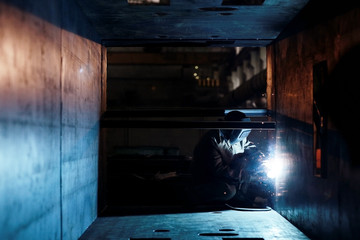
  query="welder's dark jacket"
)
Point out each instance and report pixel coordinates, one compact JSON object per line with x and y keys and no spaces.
{"x":215,"y":159}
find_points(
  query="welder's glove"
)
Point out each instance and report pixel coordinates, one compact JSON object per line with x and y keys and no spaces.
{"x":253,"y":160}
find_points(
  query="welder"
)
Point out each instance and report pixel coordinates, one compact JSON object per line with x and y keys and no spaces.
{"x":221,"y":165}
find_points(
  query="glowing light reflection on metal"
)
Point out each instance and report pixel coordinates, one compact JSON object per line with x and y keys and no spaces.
{"x":274,"y":167}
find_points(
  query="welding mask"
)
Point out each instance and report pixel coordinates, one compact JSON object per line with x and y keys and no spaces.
{"x":238,"y":135}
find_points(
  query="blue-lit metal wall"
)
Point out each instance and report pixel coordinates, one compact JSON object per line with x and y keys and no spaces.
{"x":50,"y":81}
{"x":325,"y":204}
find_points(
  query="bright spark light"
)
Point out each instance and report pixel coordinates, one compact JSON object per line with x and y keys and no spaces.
{"x":274,"y":168}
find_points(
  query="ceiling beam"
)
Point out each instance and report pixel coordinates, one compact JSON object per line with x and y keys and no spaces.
{"x":175,"y":58}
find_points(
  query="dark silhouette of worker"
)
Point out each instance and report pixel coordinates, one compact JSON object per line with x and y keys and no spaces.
{"x":218,"y":165}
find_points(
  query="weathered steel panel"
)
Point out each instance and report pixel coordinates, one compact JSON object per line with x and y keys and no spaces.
{"x":192,"y":21}
{"x":196,"y":225}
{"x":327,"y":207}
{"x":50,"y":80}
{"x":30,"y":56}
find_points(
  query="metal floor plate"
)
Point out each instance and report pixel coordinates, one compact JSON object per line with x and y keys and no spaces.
{"x":227,"y":224}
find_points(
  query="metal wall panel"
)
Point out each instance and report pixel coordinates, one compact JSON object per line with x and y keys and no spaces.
{"x":324,"y":206}
{"x":49,"y":118}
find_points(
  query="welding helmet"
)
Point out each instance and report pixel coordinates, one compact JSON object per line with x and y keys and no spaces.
{"x":236,"y":135}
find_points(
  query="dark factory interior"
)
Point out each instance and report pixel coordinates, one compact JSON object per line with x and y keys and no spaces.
{"x":103,"y":104}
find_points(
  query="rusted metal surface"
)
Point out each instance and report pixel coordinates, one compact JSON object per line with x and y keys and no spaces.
{"x":325,"y":207}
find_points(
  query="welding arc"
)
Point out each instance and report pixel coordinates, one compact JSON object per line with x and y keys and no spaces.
{"x":248,"y":209}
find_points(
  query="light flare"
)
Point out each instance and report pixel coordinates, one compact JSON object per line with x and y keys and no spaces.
{"x":274,"y":167}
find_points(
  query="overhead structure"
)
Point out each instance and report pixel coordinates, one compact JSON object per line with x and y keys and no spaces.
{"x":195,"y":22}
